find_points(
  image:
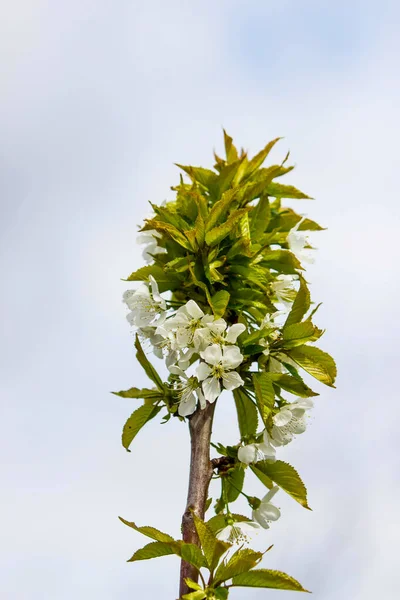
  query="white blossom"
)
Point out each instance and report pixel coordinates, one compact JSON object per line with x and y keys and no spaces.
{"x":219,"y":364}
{"x":267,"y":511}
{"x":189,"y":392}
{"x":145,"y":305}
{"x":149,"y":238}
{"x":252,"y":453}
{"x":290,"y":421}
{"x":238,"y":532}
{"x":297,"y":242}
{"x":187,"y":320}
{"x":284,"y":289}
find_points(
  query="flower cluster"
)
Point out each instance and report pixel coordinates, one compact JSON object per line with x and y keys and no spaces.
{"x":183,"y":337}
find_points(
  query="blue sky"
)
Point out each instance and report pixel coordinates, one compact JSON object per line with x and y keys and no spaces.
{"x":99,"y":99}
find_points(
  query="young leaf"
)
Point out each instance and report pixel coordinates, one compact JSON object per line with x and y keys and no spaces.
{"x":218,"y":522}
{"x":298,"y":334}
{"x":293,"y":385}
{"x":212,"y":548}
{"x":246,"y":412}
{"x":259,"y":158}
{"x":282,"y":261}
{"x":147,"y":366}
{"x":286,"y":477}
{"x":217,"y":234}
{"x":233,"y":484}
{"x":258,"y":470}
{"x":137,"y":393}
{"x":260,"y":217}
{"x":197,"y":595}
{"x":317,"y":363}
{"x":219,"y":303}
{"x":171,"y":231}
{"x":265,"y":394}
{"x":136,"y":421}
{"x":300,"y":306}
{"x":193,"y":555}
{"x":240,"y":562}
{"x":205,"y":177}
{"x":152,"y":550}
{"x":266,"y":578}
{"x":277,"y":190}
{"x":230,"y":150}
{"x":220,"y":208}
{"x":166,"y":281}
{"x":150,"y":532}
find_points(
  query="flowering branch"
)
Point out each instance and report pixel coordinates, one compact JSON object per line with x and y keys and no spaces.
{"x":224,"y":302}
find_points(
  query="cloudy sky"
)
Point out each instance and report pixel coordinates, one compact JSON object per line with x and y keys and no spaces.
{"x":98,"y":99}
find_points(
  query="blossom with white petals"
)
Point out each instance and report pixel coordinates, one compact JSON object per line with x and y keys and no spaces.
{"x":219,"y":364}
{"x":187,"y":320}
{"x":283,"y":286}
{"x":267,"y":511}
{"x":252,"y":453}
{"x":218,"y":332}
{"x":238,"y":532}
{"x":149,"y":237}
{"x":290,"y":421}
{"x":145,"y":305}
{"x":186,"y":390}
{"x":297,"y":242}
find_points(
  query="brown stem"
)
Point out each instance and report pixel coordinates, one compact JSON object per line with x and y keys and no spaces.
{"x":201,"y":469}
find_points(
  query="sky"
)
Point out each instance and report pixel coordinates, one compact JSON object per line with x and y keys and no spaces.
{"x":98,"y":100}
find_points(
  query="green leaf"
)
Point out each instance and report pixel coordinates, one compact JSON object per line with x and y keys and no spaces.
{"x":219,"y":209}
{"x":193,"y":585}
{"x":148,"y":531}
{"x":278,"y":190}
{"x":204,"y":177}
{"x":219,"y":303}
{"x":137,"y":393}
{"x":282,"y":261}
{"x":260,"y":217}
{"x":286,"y":477}
{"x":147,"y":366}
{"x":136,"y":421}
{"x":226,"y":177}
{"x":240,"y":562}
{"x":293,"y":385}
{"x":198,"y":595}
{"x":259,"y":158}
{"x":221,"y":593}
{"x":230,"y":150}
{"x":258,"y":470}
{"x":265,"y":394}
{"x":300,"y":306}
{"x":193,"y":555}
{"x":317,"y":363}
{"x":246,"y":412}
{"x":217,"y":234}
{"x":152,"y":550}
{"x":266,"y":578}
{"x":233,"y":484}
{"x":298,"y":334}
{"x":169,"y":230}
{"x":165,"y":281}
{"x":212,"y":548}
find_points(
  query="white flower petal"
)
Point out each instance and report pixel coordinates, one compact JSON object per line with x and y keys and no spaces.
{"x":232,"y":380}
{"x":203,"y":371}
{"x":283,"y":417}
{"x":232,"y":357}
{"x":234,"y":331}
{"x":247,"y":454}
{"x":201,"y":398}
{"x":194,"y":309}
{"x":218,"y":326}
{"x":211,"y":389}
{"x":225,"y":534}
{"x":212,"y":354}
{"x":269,"y":495}
{"x":187,"y":405}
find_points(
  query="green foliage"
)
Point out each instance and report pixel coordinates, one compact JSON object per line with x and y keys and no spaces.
{"x":317,"y":363}
{"x":147,"y":366}
{"x":285,"y":476}
{"x":265,"y":394}
{"x":240,"y":562}
{"x":152,"y":550}
{"x":300,"y":305}
{"x":136,"y":421}
{"x":265,"y":578}
{"x":246,"y":412}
